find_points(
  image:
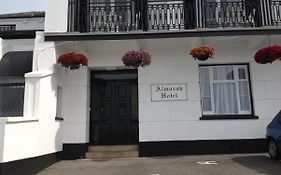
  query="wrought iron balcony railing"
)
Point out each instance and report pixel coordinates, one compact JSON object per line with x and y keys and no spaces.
{"x":276,"y":12}
{"x":165,"y":16}
{"x":113,"y":17}
{"x":231,"y":14}
{"x":130,"y":15}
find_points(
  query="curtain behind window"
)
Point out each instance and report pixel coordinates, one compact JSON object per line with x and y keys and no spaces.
{"x":225,"y":90}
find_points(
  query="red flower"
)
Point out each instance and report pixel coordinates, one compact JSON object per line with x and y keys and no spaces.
{"x":136,"y":58}
{"x":268,"y":54}
{"x":73,"y":60}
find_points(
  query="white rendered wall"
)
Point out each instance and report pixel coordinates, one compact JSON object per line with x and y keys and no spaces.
{"x":159,"y":121}
{"x":76,"y":86}
{"x":39,"y":134}
{"x":8,"y":138}
{"x":56,"y":16}
{"x":180,"y":120}
{"x":164,"y":121}
{"x":36,"y":133}
{"x":75,"y":106}
{"x":25,"y":23}
{"x":15,"y":45}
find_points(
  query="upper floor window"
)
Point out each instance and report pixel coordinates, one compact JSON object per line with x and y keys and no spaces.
{"x":5,"y":28}
{"x":225,"y":90}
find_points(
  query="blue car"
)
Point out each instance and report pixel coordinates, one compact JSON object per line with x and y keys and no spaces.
{"x":273,"y":136}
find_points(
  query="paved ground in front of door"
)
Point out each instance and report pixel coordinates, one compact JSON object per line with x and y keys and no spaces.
{"x":236,"y":164}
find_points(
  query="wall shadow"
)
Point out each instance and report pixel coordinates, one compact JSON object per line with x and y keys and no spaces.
{"x":260,"y":163}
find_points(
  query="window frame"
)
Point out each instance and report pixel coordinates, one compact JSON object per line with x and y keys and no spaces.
{"x":7,"y":27}
{"x":243,"y":115}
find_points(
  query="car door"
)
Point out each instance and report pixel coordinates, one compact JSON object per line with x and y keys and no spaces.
{"x":278,"y":131}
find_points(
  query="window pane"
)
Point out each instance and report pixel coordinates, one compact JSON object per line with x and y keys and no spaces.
{"x":242,"y":74}
{"x":243,"y":88}
{"x":11,"y":100}
{"x":225,"y":98}
{"x":205,"y":90}
{"x":223,"y":73}
{"x":245,"y":103}
{"x":206,"y":104}
{"x":11,"y":95}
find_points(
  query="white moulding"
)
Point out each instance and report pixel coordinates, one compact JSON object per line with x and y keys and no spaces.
{"x":23,"y":119}
{"x":39,"y":74}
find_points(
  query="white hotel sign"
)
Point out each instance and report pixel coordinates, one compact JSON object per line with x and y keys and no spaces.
{"x":168,"y":92}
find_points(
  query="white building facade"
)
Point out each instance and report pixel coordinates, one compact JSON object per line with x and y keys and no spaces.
{"x":175,"y":106}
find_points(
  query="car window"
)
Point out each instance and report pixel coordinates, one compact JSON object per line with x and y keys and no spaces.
{"x":278,"y":116}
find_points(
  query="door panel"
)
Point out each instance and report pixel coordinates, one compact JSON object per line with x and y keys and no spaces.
{"x":117,"y":101}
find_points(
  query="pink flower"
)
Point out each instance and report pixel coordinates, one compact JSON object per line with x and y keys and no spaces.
{"x":136,"y":58}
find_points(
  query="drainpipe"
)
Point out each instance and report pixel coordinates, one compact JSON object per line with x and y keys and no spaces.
{"x":83,"y":13}
{"x":144,"y":15}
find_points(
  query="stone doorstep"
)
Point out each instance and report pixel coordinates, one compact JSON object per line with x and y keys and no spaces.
{"x":110,"y":152}
{"x":114,"y":148}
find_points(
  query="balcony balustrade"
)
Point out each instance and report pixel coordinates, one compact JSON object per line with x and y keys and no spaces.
{"x":276,"y":12}
{"x":151,"y":15}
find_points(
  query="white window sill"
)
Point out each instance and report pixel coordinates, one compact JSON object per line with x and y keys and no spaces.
{"x":11,"y":120}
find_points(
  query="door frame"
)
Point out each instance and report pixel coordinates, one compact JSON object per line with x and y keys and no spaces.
{"x":110,"y":72}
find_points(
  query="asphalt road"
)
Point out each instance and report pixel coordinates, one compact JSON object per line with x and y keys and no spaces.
{"x":236,"y":164}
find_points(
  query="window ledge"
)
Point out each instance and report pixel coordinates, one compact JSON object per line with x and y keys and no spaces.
{"x":228,"y":117}
{"x":11,"y":120}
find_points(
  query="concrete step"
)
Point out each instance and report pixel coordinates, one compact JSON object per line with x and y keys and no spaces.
{"x":113,"y":148}
{"x":111,"y":154}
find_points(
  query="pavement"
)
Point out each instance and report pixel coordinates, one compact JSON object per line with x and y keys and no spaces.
{"x":231,"y":164}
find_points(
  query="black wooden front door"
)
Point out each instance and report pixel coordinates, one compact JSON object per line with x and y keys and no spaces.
{"x":114,"y":108}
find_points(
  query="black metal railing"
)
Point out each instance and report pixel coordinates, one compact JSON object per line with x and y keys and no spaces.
{"x":102,"y":16}
{"x":109,"y":16}
{"x":146,"y":15}
{"x":276,"y":12}
{"x":163,"y":15}
{"x":231,"y":14}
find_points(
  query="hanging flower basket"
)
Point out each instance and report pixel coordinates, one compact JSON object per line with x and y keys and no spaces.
{"x":136,"y":58}
{"x":203,"y":52}
{"x":268,"y":54}
{"x":73,"y":60}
